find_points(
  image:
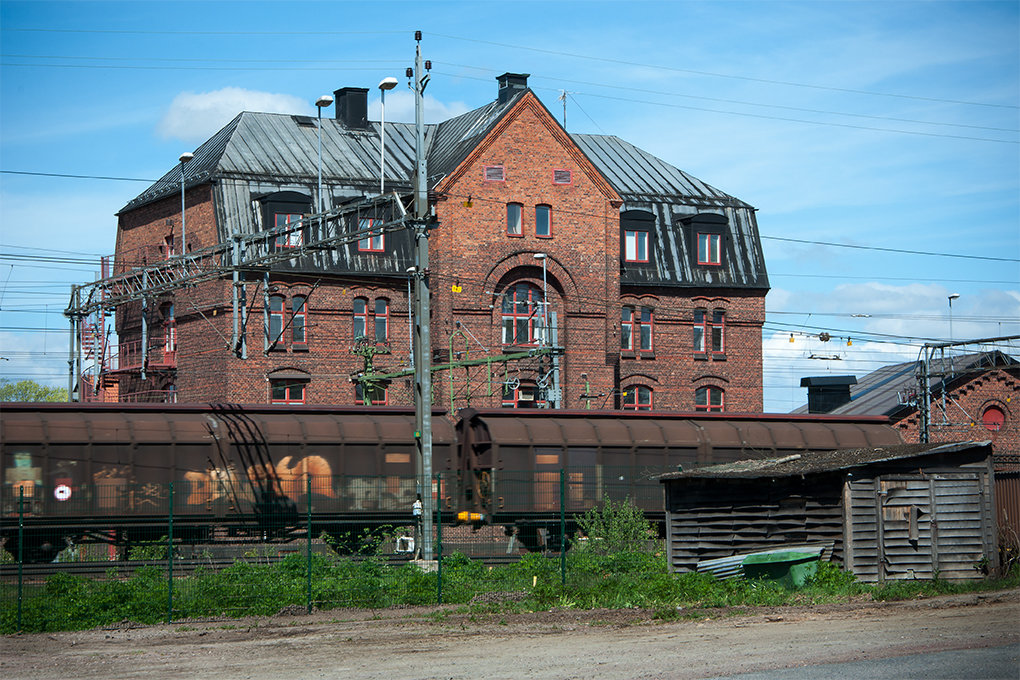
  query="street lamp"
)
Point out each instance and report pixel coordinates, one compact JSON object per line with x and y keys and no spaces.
{"x":385,"y":84}
{"x":185,"y":158}
{"x":320,"y":103}
{"x":952,"y":296}
{"x":545,"y":299}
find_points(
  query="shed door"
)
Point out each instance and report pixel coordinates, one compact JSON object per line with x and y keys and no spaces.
{"x":904,"y":529}
{"x":929,"y":526}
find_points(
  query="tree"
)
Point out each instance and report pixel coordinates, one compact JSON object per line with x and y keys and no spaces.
{"x":30,"y":390}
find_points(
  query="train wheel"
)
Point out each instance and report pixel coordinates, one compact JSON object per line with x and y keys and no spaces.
{"x":38,"y":547}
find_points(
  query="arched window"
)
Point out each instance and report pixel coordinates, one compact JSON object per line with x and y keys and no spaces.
{"x":993,"y":418}
{"x":360,"y":317}
{"x":709,"y":398}
{"x":522,"y":314}
{"x":287,"y":390}
{"x":638,"y":398}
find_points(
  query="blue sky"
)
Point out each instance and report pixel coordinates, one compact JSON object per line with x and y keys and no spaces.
{"x":891,"y":127}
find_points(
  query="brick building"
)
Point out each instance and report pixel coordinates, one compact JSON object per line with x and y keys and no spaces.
{"x":650,"y":283}
{"x":972,"y":397}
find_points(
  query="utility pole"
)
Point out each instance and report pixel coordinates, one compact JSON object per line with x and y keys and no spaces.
{"x":422,"y":308}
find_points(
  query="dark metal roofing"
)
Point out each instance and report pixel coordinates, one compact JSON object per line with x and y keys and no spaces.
{"x":814,"y":462}
{"x":884,"y":391}
{"x":272,"y":152}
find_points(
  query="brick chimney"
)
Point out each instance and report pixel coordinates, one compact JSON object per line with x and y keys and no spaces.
{"x":827,"y":393}
{"x":510,"y":84}
{"x":352,"y":107}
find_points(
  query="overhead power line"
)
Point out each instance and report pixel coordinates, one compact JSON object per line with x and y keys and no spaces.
{"x":893,"y":250}
{"x":58,"y":174}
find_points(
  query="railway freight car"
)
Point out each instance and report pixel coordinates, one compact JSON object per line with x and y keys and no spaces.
{"x":103,"y":472}
{"x":511,"y":460}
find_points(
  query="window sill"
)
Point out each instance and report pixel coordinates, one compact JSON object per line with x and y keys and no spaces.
{"x":701,"y":357}
{"x":515,"y":235}
{"x":718,"y":357}
{"x":299,"y":348}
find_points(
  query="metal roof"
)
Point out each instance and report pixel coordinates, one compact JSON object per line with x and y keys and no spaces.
{"x":814,"y":462}
{"x":882,"y":391}
{"x":282,"y":149}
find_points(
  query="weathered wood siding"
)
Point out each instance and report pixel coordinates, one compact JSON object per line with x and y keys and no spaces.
{"x":709,"y":520}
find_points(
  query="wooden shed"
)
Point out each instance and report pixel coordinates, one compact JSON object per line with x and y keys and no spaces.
{"x":896,"y":512}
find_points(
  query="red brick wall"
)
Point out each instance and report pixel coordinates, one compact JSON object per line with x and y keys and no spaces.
{"x":963,"y":416}
{"x":473,"y":261}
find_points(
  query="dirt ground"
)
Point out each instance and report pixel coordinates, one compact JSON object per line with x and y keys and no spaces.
{"x":440,"y":643}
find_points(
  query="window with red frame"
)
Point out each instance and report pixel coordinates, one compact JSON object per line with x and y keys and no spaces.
{"x":543,"y":221}
{"x":513,"y":219}
{"x":375,"y":396}
{"x":522,"y":395}
{"x":275,"y":319}
{"x":382,"y":320}
{"x":636,"y":329}
{"x":374,"y":241}
{"x":638,"y":398}
{"x":299,"y":320}
{"x":293,"y":238}
{"x":710,"y":332}
{"x":709,"y":398}
{"x":360,"y":317}
{"x":635,"y":246}
{"x":169,"y":330}
{"x":522,"y":314}
{"x":287,"y":391}
{"x":993,"y":418}
{"x":709,"y":248}
{"x":168,"y":247}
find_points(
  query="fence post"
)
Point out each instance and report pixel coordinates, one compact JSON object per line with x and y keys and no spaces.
{"x":308,"y":496}
{"x":170,"y":559}
{"x":439,"y":539}
{"x":563,"y":527}
{"x":21,"y":550}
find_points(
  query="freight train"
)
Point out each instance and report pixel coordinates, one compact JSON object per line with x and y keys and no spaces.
{"x":116,"y":473}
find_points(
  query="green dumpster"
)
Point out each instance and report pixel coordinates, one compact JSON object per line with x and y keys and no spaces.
{"x":790,"y":568}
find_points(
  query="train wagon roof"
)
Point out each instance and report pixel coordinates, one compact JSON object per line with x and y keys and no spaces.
{"x":659,"y":429}
{"x":179,"y":423}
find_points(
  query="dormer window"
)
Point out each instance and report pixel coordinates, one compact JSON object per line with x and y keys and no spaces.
{"x":636,"y":229}
{"x":709,"y":250}
{"x":706,"y":234}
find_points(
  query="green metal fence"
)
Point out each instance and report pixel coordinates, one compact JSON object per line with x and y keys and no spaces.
{"x":207,"y":547}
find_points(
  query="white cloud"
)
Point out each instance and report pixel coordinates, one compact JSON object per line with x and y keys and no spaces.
{"x":400,"y":108}
{"x":194,"y":117}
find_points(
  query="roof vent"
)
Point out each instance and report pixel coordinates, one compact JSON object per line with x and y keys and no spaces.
{"x":827,"y":393}
{"x":352,"y":107}
{"x":510,"y":84}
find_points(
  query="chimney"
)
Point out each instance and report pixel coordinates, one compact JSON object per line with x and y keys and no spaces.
{"x":352,"y":107}
{"x":827,"y":393}
{"x":510,"y":84}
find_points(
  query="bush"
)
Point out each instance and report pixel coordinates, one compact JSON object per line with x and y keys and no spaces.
{"x":615,"y":527}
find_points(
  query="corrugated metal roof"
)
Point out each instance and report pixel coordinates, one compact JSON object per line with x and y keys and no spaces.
{"x":813,"y":462}
{"x":881,"y":391}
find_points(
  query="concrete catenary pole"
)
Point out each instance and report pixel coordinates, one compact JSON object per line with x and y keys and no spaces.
{"x":422,"y":310}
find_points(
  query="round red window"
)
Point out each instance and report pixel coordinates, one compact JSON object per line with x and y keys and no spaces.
{"x":993,"y":418}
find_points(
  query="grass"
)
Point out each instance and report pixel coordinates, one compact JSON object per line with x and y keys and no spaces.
{"x":616,"y":580}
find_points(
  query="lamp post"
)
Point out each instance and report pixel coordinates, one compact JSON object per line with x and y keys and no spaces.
{"x":952,"y":296}
{"x":545,"y":300}
{"x":385,"y":84}
{"x":320,"y":103}
{"x":185,"y":158}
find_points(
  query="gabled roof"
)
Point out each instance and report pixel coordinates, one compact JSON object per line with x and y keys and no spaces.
{"x":883,"y":392}
{"x":814,"y":462}
{"x":272,"y":146}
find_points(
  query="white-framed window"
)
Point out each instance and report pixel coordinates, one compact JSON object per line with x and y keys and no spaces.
{"x":299,"y":320}
{"x":710,"y":332}
{"x":382,"y":320}
{"x":360,"y":318}
{"x":275,"y":318}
